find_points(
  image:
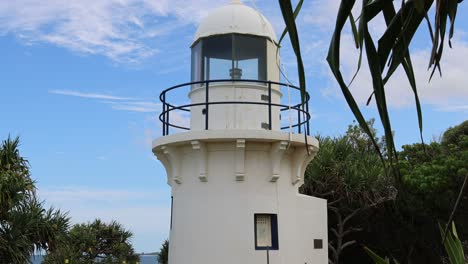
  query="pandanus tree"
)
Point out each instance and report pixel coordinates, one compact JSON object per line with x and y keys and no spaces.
{"x":347,"y":172}
{"x":25,"y":225}
{"x":384,"y":53}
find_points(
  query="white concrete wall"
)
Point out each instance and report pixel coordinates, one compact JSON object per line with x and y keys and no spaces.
{"x":213,"y":217}
{"x":234,"y":116}
{"x":273,"y":62}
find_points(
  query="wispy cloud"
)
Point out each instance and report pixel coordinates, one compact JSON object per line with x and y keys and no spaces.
{"x":67,"y":194}
{"x":445,"y":93}
{"x":90,"y":95}
{"x":454,"y":108}
{"x":103,"y":158}
{"x":139,"y":106}
{"x":441,"y":92}
{"x":122,"y":30}
{"x":123,"y":103}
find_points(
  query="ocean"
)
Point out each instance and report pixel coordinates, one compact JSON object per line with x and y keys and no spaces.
{"x":144,"y":259}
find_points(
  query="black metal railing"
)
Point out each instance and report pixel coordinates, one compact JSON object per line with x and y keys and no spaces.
{"x":302,"y":109}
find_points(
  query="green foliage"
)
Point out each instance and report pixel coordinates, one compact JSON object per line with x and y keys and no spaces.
{"x":289,"y":18}
{"x":384,"y":53}
{"x":94,"y":241}
{"x":435,"y":170}
{"x":347,"y":169}
{"x":452,"y":243}
{"x":25,"y":226}
{"x":361,"y":197}
{"x":163,"y":255}
{"x":348,"y":173}
{"x":456,"y":135}
{"x":453,"y":246}
{"x":432,"y":179}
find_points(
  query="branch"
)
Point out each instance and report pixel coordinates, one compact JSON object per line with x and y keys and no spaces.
{"x":351,"y":215}
{"x":334,"y":202}
{"x":332,"y":249}
{"x":333,"y":230}
{"x":332,"y":208}
{"x":352,"y":230}
{"x":347,"y":244}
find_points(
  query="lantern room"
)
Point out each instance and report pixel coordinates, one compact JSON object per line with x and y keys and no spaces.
{"x":235,"y":78}
{"x":234,"y":42}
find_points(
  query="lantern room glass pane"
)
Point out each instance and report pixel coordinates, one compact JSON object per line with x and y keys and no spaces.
{"x":197,"y":66}
{"x":250,"y":56}
{"x":217,"y":57}
{"x":231,"y":56}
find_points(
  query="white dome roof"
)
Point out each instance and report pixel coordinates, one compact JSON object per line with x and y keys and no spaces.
{"x":235,"y":18}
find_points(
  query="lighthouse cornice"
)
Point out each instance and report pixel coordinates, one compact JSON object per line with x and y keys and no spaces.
{"x":233,"y":135}
{"x":199,"y":144}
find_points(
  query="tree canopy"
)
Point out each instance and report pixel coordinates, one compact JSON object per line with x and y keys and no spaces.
{"x":94,"y":241}
{"x":163,"y":254}
{"x":25,"y":225}
{"x":348,"y":173}
{"x":436,"y":170}
{"x":367,"y":208}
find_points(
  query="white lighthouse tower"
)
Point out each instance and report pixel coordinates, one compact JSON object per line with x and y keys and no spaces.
{"x":236,"y":168}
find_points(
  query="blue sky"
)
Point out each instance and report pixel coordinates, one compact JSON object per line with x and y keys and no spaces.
{"x":79,"y":82}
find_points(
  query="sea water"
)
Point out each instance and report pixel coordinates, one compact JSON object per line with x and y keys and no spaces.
{"x":144,"y":259}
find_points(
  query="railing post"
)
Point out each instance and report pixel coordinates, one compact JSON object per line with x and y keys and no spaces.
{"x":308,"y":117}
{"x":269,"y":105}
{"x":167,"y":125}
{"x":206,"y":104}
{"x":164,"y":114}
{"x":299,"y":119}
{"x":268,"y":254}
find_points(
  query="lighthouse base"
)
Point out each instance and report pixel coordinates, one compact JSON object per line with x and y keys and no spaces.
{"x":235,"y":198}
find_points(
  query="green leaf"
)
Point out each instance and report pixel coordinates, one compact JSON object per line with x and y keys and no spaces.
{"x":358,"y":37}
{"x":419,"y":5}
{"x":400,"y":31}
{"x":296,"y":12}
{"x":377,"y":259}
{"x":408,"y":66}
{"x":453,"y":245}
{"x":333,"y":59}
{"x":452,"y":12}
{"x":354,"y":30}
{"x":390,"y":14}
{"x":378,"y":85}
{"x":289,"y":19}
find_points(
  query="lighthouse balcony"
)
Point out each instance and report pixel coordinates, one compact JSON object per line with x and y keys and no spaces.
{"x":230,"y":104}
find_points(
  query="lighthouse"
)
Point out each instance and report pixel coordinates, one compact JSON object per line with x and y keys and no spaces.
{"x":235,"y":145}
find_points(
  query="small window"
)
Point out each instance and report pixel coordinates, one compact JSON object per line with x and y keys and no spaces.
{"x":318,"y":243}
{"x":266,"y":231}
